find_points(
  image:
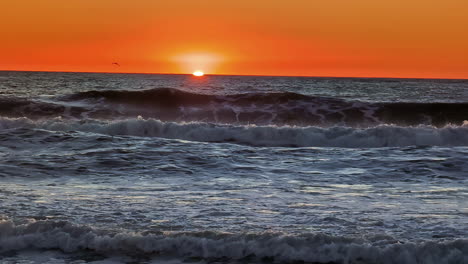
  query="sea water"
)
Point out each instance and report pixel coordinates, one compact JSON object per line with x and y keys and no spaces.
{"x":129,"y":168}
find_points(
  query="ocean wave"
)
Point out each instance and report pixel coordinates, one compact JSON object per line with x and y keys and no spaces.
{"x":227,"y":247}
{"x":269,"y":136}
{"x":23,"y":107}
{"x":280,"y":108}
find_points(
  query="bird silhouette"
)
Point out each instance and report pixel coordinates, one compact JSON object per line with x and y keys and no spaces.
{"x":116,"y":64}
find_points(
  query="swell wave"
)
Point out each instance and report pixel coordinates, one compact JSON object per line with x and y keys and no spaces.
{"x":280,"y":108}
{"x":269,"y":136}
{"x":226,"y":247}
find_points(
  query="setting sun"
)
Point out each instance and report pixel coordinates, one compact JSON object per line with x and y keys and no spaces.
{"x":198,"y":73}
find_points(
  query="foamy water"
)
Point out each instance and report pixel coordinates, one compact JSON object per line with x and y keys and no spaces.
{"x":103,"y":168}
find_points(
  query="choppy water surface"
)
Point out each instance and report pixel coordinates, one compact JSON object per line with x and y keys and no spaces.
{"x":109,"y":168}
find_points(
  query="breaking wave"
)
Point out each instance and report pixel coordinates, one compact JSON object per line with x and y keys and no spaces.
{"x":227,"y":247}
{"x":280,"y":108}
{"x":290,"y":136}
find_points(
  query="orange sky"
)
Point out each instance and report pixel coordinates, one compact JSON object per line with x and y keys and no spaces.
{"x":399,"y":38}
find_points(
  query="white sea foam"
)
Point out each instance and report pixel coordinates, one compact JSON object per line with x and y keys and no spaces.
{"x":316,"y":248}
{"x":379,"y":136}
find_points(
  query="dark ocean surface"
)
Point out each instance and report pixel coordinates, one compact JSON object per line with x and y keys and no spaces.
{"x":140,"y":168}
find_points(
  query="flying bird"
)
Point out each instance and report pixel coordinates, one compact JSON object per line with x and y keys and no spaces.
{"x":116,"y":63}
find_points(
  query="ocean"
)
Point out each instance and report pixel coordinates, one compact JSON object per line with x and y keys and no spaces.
{"x":146,"y":168}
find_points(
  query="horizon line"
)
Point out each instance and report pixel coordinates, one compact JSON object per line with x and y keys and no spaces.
{"x":246,"y":75}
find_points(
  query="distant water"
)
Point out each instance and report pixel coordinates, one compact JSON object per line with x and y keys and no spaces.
{"x":128,"y":168}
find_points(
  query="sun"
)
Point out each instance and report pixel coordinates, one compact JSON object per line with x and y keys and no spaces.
{"x":198,"y":73}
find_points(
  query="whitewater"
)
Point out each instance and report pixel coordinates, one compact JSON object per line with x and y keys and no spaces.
{"x":142,"y":168}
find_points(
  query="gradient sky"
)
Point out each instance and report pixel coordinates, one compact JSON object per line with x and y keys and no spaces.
{"x":398,"y":38}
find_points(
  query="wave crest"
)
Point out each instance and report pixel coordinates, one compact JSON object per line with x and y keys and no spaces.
{"x":274,"y":247}
{"x":270,"y":136}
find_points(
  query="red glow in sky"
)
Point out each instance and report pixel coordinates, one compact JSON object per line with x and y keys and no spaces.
{"x":298,"y":37}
